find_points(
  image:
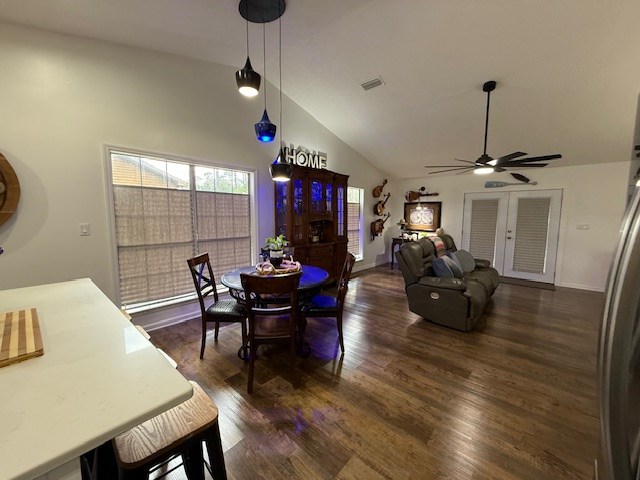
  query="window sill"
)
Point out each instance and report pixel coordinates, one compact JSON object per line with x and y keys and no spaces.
{"x":150,"y":306}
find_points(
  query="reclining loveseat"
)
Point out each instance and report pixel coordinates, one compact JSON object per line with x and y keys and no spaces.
{"x":453,"y":302}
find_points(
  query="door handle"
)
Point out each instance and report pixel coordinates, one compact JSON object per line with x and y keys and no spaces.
{"x":508,"y":238}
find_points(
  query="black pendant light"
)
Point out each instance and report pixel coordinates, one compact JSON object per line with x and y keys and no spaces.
{"x":280,"y":169}
{"x":247,"y":79}
{"x":265,"y":130}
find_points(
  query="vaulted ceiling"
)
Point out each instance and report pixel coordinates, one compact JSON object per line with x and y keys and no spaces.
{"x":568,"y":72}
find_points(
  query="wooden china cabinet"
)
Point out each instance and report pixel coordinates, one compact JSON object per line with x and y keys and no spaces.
{"x":311,"y":211}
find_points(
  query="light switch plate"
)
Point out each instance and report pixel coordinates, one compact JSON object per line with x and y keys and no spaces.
{"x":85,"y":229}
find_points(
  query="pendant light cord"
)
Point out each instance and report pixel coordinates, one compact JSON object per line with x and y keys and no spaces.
{"x":486,"y":124}
{"x":264,"y":60}
{"x":247,"y":13}
{"x":280,"y":64}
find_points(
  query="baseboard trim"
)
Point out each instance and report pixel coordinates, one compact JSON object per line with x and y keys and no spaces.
{"x":166,"y":322}
{"x":359,"y":268}
{"x":581,"y":287}
{"x":527,"y":283}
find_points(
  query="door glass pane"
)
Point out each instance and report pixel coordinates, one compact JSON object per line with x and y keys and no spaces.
{"x":484,"y":219}
{"x":530,"y":249}
{"x":329,"y":196}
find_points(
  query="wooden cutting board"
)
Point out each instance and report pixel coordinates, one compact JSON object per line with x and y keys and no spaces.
{"x":19,"y":336}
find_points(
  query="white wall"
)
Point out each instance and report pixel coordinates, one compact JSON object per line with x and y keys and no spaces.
{"x":63,"y":98}
{"x":592,"y":194}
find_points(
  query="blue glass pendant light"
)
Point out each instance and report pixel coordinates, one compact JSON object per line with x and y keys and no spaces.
{"x":265,"y":130}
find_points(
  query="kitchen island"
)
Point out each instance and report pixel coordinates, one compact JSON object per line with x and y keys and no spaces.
{"x":98,"y":377}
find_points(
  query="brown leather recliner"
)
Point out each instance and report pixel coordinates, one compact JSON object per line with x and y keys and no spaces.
{"x":452,"y":302}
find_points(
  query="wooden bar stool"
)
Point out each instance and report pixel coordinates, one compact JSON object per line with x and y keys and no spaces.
{"x":179,"y":431}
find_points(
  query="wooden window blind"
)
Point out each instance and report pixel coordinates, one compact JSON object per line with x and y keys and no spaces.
{"x":166,"y":212}
{"x":354,"y":220}
{"x":484,"y":220}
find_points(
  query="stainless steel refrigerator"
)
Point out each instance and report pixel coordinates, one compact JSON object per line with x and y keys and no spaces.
{"x":619,"y":354}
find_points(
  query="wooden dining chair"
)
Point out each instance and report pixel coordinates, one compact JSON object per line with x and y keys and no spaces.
{"x":326,"y":305}
{"x":221,"y":310}
{"x":273,"y":322}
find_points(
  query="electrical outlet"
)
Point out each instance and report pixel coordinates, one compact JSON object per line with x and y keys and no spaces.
{"x":85,"y":229}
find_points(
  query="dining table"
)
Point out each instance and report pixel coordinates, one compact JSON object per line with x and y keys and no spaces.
{"x":311,"y":281}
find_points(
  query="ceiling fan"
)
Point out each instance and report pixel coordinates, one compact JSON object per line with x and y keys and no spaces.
{"x":485,"y":163}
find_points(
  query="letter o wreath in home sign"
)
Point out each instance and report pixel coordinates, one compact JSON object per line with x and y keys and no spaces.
{"x":9,"y":190}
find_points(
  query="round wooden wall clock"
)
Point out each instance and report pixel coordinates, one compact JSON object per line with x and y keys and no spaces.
{"x":9,"y":190}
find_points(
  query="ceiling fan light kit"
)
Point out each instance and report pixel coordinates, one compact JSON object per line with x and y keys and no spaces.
{"x":486,"y":164}
{"x":484,"y":170}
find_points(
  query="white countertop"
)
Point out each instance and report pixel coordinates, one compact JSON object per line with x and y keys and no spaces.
{"x":97,"y":378}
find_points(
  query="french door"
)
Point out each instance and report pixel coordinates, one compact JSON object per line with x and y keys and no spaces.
{"x":516,"y":231}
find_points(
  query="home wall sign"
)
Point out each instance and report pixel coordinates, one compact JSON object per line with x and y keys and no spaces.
{"x":9,"y":190}
{"x":305,"y":158}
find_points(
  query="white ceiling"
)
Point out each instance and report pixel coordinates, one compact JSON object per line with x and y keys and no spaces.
{"x":568,"y":71}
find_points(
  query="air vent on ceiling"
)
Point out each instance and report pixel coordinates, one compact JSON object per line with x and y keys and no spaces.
{"x":376,"y":82}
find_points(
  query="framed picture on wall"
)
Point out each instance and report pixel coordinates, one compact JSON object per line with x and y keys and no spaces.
{"x":422,"y":216}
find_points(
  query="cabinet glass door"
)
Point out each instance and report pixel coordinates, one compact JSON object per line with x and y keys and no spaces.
{"x":282,"y":224}
{"x":341,"y":210}
{"x":328,"y":189}
{"x":298,"y":234}
{"x":317,"y":197}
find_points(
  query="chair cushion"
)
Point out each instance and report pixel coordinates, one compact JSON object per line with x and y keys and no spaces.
{"x":321,"y":304}
{"x":466,"y":260}
{"x":441,"y":268}
{"x":226,"y":308}
{"x":453,"y":266}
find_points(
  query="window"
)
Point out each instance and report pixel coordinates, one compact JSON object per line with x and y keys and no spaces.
{"x":355,"y":221}
{"x":166,"y":212}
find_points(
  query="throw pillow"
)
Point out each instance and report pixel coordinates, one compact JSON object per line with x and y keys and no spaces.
{"x":441,"y":249}
{"x":441,"y":269}
{"x":453,"y":266}
{"x":466,"y":260}
{"x":453,"y":257}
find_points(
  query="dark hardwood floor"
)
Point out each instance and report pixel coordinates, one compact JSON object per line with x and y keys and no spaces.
{"x":514,"y":399}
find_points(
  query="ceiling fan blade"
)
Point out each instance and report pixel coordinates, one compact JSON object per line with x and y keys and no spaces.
{"x":465,"y":170}
{"x":506,"y":158}
{"x":499,"y":169}
{"x":538,"y":159}
{"x":444,"y":166}
{"x":465,"y":161}
{"x":452,"y":170}
{"x":520,"y":177}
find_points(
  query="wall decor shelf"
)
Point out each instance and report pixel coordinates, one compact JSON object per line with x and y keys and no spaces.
{"x":311,"y":211}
